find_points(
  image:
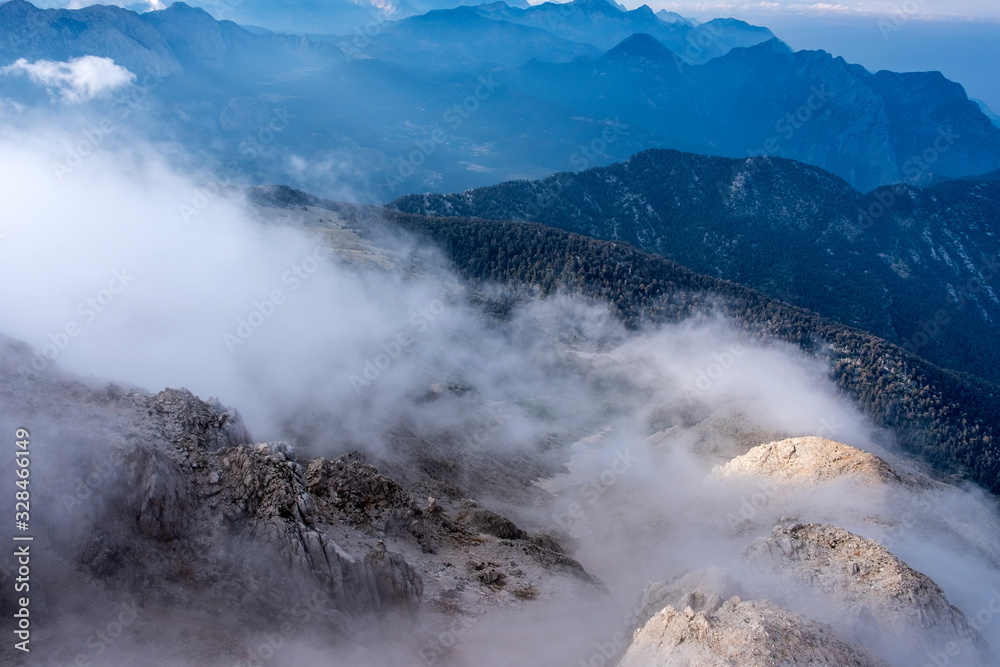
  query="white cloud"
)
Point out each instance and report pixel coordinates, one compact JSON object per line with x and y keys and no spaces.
{"x":77,"y":80}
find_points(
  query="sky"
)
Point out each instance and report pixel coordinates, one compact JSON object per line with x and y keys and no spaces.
{"x":980,"y":10}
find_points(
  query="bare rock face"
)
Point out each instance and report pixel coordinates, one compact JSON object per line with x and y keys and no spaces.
{"x":699,"y":590}
{"x":351,"y":490}
{"x":809,"y":460}
{"x":204,"y":511}
{"x":739,"y":634}
{"x":481,"y":520}
{"x":191,"y":422}
{"x":866,"y":592}
{"x":396,"y":583}
{"x":158,"y":493}
{"x":354,"y":488}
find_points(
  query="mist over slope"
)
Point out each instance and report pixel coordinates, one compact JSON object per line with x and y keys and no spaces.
{"x":566,"y":435}
{"x":904,"y":263}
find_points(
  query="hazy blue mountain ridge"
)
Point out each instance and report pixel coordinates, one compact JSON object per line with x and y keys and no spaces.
{"x":456,"y":99}
{"x":914,"y":266}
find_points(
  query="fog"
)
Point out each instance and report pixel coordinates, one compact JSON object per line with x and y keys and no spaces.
{"x":106,"y":275}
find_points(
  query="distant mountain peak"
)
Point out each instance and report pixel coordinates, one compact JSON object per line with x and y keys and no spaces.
{"x":184,"y":10}
{"x":598,"y":5}
{"x":640,"y":45}
{"x":644,"y":10}
{"x":672,"y":17}
{"x":773,"y":45}
{"x":183,"y":7}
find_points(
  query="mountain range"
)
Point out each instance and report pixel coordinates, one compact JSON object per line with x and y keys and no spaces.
{"x":910,"y":265}
{"x":695,"y":366}
{"x":471,"y":96}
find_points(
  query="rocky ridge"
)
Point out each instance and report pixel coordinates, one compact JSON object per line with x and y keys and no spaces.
{"x":738,"y":632}
{"x":849,"y":599}
{"x":869,"y":593}
{"x":166,"y":501}
{"x":809,"y":460}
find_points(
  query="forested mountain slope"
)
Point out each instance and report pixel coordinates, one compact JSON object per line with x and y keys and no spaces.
{"x":915,"y":266}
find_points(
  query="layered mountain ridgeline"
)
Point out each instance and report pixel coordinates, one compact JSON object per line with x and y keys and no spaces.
{"x":164,"y":44}
{"x":947,"y":418}
{"x":916,"y":267}
{"x":325,"y":16}
{"x":476,"y":95}
{"x":768,"y":100}
{"x":598,"y":24}
{"x":463,"y":38}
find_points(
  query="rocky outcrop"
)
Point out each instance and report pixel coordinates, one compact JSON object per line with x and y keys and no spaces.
{"x":191,"y":423}
{"x":809,"y":460}
{"x":351,"y":490}
{"x":738,"y":633}
{"x":699,"y":590}
{"x":237,"y":516}
{"x":865,"y":592}
{"x":481,"y":520}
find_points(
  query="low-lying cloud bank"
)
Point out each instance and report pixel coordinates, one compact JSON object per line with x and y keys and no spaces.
{"x":104,"y":274}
